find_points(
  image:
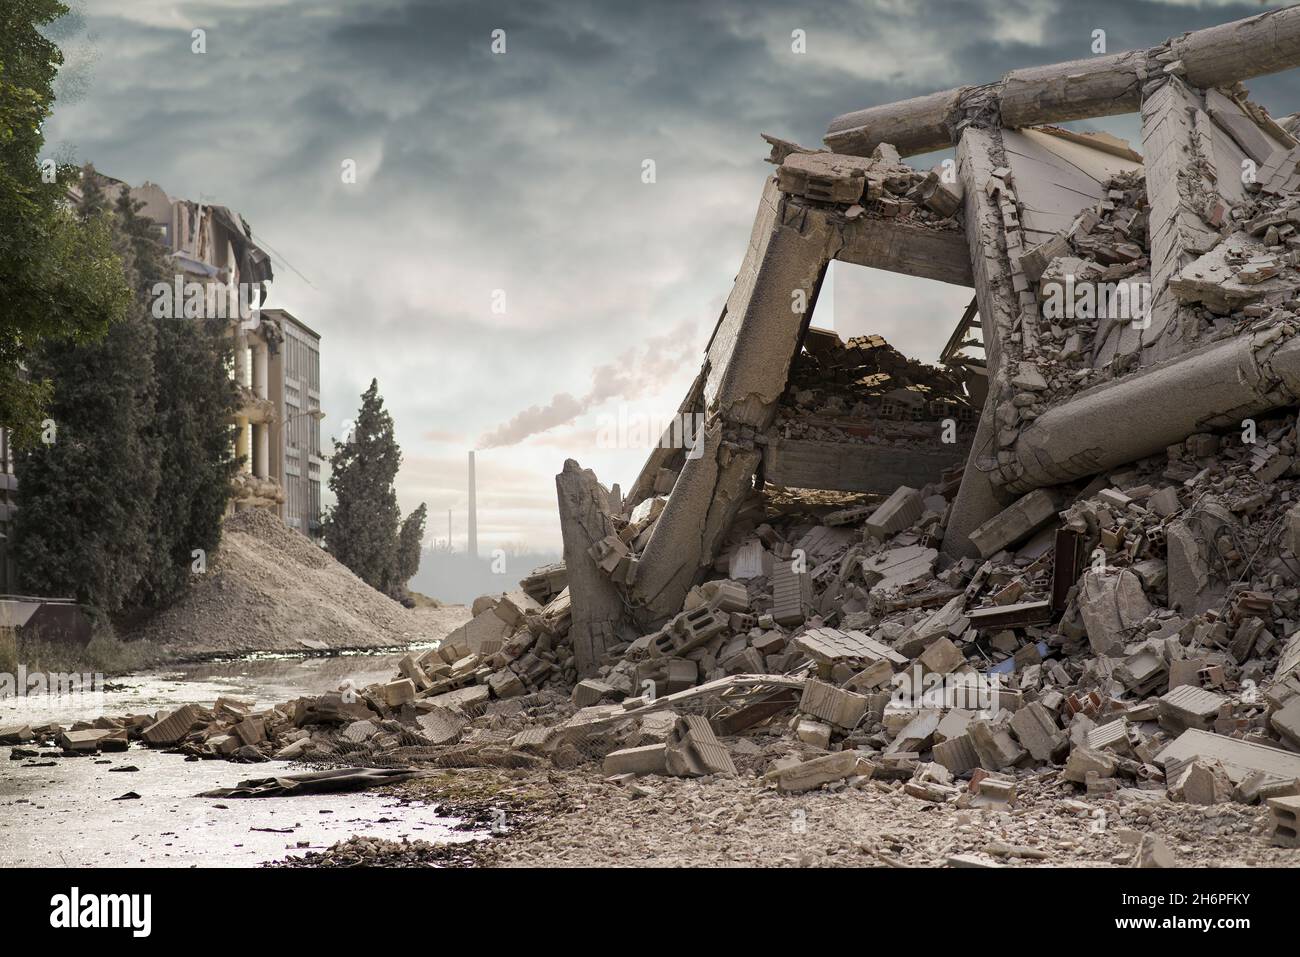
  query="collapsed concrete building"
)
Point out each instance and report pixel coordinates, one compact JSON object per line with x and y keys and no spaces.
{"x":1095,"y":525}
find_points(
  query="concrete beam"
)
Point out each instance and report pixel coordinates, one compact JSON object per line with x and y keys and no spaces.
{"x":749,"y":355}
{"x":847,"y":467}
{"x":700,"y":510}
{"x":1100,"y":86}
{"x":905,"y":248}
{"x":746,"y":369}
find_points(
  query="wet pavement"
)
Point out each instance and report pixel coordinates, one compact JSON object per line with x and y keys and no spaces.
{"x":61,"y":811}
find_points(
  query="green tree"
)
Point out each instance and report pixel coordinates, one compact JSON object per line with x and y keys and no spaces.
{"x":86,"y":496}
{"x":61,"y":277}
{"x":410,"y":543}
{"x":138,"y":476}
{"x":361,"y":529}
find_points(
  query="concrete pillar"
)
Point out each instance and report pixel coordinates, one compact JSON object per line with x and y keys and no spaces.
{"x":978,"y":499}
{"x":748,"y":362}
{"x":243,"y":444}
{"x":261,"y":449}
{"x":596,"y":607}
{"x":260,"y":356}
{"x":1121,"y":421}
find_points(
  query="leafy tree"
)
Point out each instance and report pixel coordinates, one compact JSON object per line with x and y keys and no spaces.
{"x":61,"y":277}
{"x":361,"y":530}
{"x":410,"y":543}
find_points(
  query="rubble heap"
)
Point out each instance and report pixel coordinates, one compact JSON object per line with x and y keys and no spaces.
{"x":268,"y":589}
{"x":1130,"y":634}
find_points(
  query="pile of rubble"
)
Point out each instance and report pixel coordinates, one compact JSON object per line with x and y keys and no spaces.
{"x":270,"y":589}
{"x":1132,"y":633}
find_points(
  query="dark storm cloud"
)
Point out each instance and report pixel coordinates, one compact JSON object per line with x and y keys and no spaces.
{"x":522,"y":173}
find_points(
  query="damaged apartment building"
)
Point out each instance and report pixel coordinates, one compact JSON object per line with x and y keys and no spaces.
{"x":277,"y":357}
{"x":1090,"y":507}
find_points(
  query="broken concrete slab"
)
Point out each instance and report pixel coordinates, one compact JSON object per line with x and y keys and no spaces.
{"x":844,"y":709}
{"x":173,"y":728}
{"x":649,"y":759}
{"x":1037,"y":731}
{"x":597,"y":609}
{"x":1238,"y":758}
{"x":827,"y":769}
{"x":1016,"y":522}
{"x":1189,"y":707}
{"x":895,"y":513}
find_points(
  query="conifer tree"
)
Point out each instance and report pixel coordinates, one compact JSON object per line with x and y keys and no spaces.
{"x":410,"y":542}
{"x":361,"y":530}
{"x":86,"y":491}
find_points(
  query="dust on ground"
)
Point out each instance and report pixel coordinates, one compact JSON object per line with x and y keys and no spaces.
{"x":575,"y":819}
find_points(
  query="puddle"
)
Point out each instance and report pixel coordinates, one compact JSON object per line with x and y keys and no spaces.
{"x":66,"y":815}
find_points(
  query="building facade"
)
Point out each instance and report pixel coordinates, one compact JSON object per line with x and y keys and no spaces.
{"x":276,"y":357}
{"x":295,"y":386}
{"x":221,"y":271}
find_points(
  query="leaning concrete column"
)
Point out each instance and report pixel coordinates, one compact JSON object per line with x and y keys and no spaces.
{"x":596,"y":607}
{"x":747,"y":364}
{"x":1171,"y":147}
{"x":978,"y":499}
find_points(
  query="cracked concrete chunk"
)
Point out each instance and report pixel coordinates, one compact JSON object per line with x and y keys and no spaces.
{"x":1112,"y":605}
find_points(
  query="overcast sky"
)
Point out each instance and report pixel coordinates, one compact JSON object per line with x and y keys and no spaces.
{"x":521,"y":172}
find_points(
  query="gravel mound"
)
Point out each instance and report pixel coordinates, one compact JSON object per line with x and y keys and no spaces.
{"x":269,"y":589}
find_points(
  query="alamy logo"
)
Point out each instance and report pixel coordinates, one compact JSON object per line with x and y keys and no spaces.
{"x":27,"y":686}
{"x":76,"y":910}
{"x":630,"y":430}
{"x":181,"y":299}
{"x":1077,"y":299}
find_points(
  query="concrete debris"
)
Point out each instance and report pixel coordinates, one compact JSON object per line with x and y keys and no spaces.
{"x":1112,"y":606}
{"x":1153,"y":852}
{"x":844,"y":709}
{"x":799,"y":776}
{"x":1015,"y":523}
{"x":896,"y":513}
{"x":692,"y":750}
{"x":1284,"y":815}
